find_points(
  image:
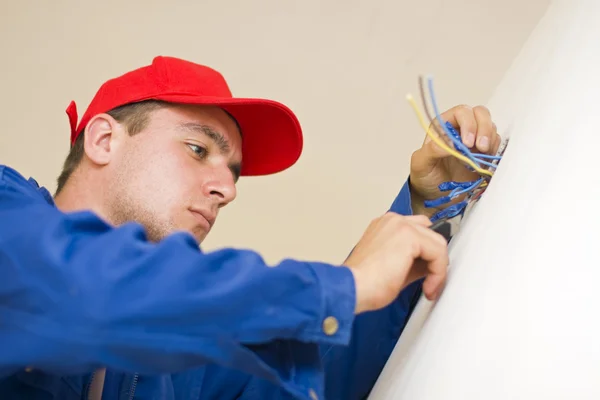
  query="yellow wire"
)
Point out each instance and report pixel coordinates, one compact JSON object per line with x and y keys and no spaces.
{"x":439,"y":141}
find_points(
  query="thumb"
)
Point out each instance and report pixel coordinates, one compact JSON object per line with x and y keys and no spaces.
{"x":434,"y":150}
{"x":425,"y":159}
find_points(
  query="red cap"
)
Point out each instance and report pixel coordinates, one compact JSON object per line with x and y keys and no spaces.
{"x":271,"y":133}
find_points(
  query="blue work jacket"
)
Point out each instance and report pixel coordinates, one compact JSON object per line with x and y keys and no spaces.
{"x":169,"y":321}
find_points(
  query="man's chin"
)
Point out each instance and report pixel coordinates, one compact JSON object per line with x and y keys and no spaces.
{"x":155,"y":234}
{"x":199,"y":233}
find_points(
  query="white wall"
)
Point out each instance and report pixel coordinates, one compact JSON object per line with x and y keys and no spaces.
{"x":344,"y":66}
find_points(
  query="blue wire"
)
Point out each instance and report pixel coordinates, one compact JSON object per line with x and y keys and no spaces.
{"x":450,"y":212}
{"x":451,"y":185}
{"x":481,"y":155}
{"x":457,"y":142}
{"x":459,"y":187}
{"x":459,"y":191}
{"x":454,"y":136}
{"x":467,"y":152}
{"x":489,"y":164}
{"x":452,"y":133}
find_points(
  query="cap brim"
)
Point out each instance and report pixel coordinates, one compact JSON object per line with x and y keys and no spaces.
{"x":271,"y":134}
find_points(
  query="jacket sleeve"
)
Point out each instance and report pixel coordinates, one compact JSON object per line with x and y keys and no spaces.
{"x":76,"y":294}
{"x":351,"y":371}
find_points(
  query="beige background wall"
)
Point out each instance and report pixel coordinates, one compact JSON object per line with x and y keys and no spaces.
{"x":344,"y":66}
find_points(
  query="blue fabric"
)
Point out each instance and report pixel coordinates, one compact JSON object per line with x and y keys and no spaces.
{"x":170,"y":321}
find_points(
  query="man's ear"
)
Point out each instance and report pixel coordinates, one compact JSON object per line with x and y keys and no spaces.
{"x":99,"y":138}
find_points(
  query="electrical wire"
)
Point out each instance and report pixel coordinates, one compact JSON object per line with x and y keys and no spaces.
{"x":451,"y":131}
{"x":434,"y":122}
{"x":458,"y":144}
{"x":441,"y":143}
{"x":481,"y":155}
{"x":473,"y":161}
{"x":465,"y":151}
{"x":458,"y":191}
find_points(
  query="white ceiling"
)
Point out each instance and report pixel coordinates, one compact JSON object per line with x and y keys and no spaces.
{"x":344,"y":66}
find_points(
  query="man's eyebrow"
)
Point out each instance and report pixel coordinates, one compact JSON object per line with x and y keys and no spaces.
{"x":219,"y":139}
{"x":216,"y":136}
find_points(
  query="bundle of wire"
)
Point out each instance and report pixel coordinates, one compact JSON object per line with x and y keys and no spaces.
{"x":483,"y":164}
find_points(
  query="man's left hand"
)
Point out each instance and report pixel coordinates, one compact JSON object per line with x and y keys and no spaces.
{"x":431,"y":165}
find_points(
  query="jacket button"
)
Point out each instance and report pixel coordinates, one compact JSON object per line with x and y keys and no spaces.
{"x":330,"y":326}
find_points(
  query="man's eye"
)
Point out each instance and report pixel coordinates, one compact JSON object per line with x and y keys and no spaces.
{"x":199,"y":150}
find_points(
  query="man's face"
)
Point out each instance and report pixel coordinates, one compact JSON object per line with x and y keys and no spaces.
{"x":177,"y":173}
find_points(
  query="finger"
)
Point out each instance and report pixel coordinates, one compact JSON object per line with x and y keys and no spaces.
{"x":425,"y":159}
{"x":435,"y":253}
{"x":432,"y":150}
{"x":485,"y":129}
{"x":434,"y":282}
{"x":463,"y":118}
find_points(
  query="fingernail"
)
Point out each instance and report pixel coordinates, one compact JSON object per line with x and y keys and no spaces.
{"x":483,"y":143}
{"x":470,"y":140}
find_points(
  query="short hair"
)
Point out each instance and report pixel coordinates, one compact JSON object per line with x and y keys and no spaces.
{"x":134,"y":116}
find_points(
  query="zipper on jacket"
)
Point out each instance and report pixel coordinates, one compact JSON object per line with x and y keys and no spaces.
{"x":86,"y":392}
{"x":96,"y":386}
{"x":133,"y":385}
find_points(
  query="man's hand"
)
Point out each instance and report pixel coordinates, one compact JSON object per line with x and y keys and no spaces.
{"x":432,"y":165}
{"x":394,"y":251}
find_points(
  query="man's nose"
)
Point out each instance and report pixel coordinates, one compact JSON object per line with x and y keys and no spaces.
{"x":221,"y":186}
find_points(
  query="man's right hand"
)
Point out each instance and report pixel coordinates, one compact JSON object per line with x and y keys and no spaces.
{"x":393,"y":252}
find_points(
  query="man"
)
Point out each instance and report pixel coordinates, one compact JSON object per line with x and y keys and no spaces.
{"x":106,"y":292}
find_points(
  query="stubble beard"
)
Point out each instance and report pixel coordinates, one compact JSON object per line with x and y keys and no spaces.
{"x":125,"y":210}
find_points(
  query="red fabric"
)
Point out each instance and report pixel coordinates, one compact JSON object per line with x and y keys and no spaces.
{"x":271,"y":134}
